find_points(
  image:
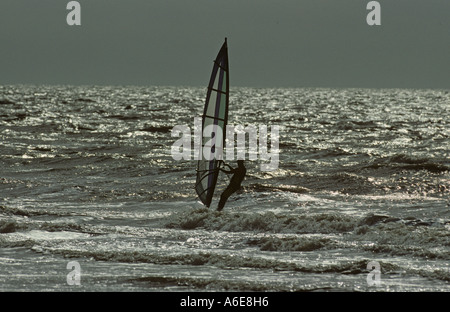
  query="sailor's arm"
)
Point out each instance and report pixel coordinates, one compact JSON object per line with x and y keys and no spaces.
{"x":227,"y":171}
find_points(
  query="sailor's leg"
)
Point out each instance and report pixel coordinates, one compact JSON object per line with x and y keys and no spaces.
{"x":224,"y":197}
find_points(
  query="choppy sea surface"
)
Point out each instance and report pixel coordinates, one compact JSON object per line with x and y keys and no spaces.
{"x":87,"y":176}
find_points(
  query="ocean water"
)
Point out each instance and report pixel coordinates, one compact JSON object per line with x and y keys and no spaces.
{"x":87,"y":177}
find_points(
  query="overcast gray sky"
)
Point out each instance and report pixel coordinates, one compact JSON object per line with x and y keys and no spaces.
{"x":272,"y":43}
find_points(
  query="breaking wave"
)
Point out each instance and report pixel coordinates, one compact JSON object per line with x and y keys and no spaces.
{"x":405,"y":162}
{"x":261,"y":222}
{"x":376,"y":233}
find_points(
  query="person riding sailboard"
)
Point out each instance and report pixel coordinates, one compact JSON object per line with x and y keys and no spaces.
{"x":215,"y":116}
{"x":235,"y":182}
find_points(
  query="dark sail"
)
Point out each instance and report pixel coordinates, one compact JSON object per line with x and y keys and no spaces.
{"x":215,"y":113}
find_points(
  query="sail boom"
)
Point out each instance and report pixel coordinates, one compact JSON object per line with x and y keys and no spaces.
{"x":220,"y":91}
{"x":220,"y":66}
{"x":206,"y":116}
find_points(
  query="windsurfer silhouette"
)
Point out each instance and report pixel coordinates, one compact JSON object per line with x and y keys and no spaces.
{"x":235,"y":182}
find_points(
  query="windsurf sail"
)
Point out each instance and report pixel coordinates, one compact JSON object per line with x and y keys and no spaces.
{"x":215,"y":114}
